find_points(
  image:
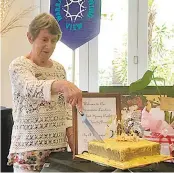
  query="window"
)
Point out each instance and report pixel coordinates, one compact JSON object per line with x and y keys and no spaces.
{"x":113,"y":43}
{"x":116,"y":45}
{"x":135,"y":36}
{"x":161,"y":39}
{"x":64,"y":56}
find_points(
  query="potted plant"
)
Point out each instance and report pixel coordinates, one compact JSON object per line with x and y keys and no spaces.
{"x":166,"y":103}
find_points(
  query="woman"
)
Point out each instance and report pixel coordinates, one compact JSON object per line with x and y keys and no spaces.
{"x":41,"y":99}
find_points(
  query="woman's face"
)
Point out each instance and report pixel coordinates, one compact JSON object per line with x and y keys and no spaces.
{"x":44,"y":44}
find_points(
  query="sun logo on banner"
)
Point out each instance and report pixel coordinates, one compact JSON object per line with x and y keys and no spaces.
{"x":79,"y":20}
{"x":68,"y":6}
{"x":73,"y":12}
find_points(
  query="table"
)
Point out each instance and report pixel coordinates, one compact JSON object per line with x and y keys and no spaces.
{"x":62,"y":162}
{"x":6,"y":130}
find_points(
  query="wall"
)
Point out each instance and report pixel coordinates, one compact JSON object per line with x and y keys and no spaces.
{"x":14,"y":44}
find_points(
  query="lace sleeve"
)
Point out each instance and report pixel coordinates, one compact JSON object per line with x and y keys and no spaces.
{"x":68,"y":115}
{"x":24,"y":81}
{"x":68,"y":110}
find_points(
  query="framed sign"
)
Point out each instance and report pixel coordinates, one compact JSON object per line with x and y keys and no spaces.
{"x":99,"y":109}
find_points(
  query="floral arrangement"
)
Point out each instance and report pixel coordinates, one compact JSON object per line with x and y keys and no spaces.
{"x":161,"y":131}
{"x":148,"y":122}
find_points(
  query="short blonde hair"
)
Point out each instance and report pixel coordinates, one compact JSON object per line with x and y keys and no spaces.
{"x":44,"y":21}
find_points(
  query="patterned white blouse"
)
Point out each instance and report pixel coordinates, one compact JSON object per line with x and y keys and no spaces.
{"x":40,"y":119}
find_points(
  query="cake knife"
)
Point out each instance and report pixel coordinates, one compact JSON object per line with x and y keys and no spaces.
{"x":91,"y":128}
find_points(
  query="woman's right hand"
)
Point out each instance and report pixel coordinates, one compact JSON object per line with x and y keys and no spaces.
{"x":72,"y":94}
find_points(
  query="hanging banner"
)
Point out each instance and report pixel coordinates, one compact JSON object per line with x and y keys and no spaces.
{"x":79,"y":20}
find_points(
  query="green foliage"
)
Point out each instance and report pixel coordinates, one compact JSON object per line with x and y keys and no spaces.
{"x":107,"y":16}
{"x":141,"y":83}
{"x":162,"y":54}
{"x":160,"y":34}
{"x":120,"y":68}
{"x":150,"y":3}
{"x":103,"y":77}
{"x":160,"y":80}
{"x":120,"y":64}
{"x":168,"y":117}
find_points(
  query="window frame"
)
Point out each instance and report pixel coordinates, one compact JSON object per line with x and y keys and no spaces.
{"x":133,"y":66}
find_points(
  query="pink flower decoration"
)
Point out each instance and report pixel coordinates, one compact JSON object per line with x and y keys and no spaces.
{"x":156,"y":126}
{"x":29,"y":153}
{"x":145,"y":119}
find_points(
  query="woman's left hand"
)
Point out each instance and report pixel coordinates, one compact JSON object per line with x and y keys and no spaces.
{"x":69,"y":134}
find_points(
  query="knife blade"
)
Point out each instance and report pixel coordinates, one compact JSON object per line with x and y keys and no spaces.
{"x":91,"y":128}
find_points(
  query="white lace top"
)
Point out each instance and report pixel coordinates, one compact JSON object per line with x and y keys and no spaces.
{"x":40,"y":119}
